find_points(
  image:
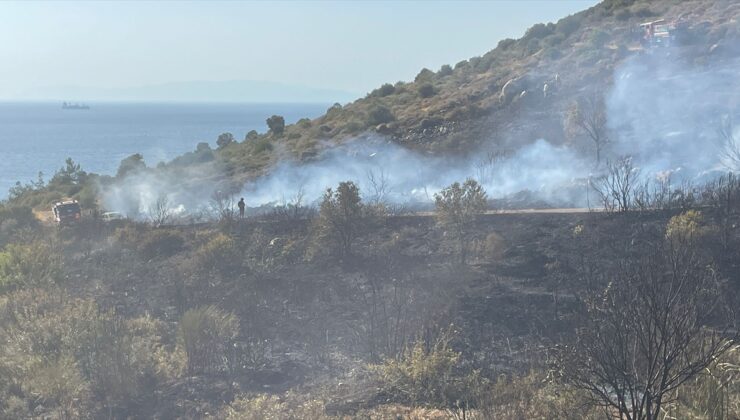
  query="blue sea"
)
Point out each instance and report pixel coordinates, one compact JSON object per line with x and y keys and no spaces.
{"x":38,"y":137}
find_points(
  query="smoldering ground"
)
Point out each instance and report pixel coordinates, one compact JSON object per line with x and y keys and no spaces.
{"x":662,"y":110}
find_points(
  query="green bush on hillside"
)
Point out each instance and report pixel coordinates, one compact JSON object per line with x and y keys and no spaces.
{"x":205,"y":335}
{"x":445,"y":70}
{"x":31,"y":265}
{"x":569,"y":24}
{"x":384,"y":90}
{"x":276,"y":124}
{"x":425,"y":75}
{"x":14,"y":220}
{"x":538,"y":31}
{"x":426,"y":90}
{"x":429,"y":374}
{"x":379,"y":114}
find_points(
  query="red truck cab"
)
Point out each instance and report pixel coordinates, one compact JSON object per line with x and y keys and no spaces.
{"x":66,"y":212}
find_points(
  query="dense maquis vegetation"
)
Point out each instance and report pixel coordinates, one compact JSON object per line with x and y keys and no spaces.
{"x":357,"y":311}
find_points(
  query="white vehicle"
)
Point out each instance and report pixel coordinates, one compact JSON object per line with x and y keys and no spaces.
{"x":110,"y":216}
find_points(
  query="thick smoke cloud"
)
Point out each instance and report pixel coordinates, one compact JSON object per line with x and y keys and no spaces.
{"x":183,"y":193}
{"x":661,"y":110}
{"x":410,"y":177}
{"x":666,"y":112}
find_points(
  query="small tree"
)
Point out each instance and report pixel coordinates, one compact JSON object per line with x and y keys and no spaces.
{"x":70,"y":174}
{"x":223,"y":206}
{"x":131,"y":164}
{"x":457,"y":208}
{"x":379,"y":184}
{"x":616,"y":187}
{"x":647,"y":331}
{"x":588,"y":116}
{"x":729,"y":145}
{"x":341,"y":216}
{"x":276,"y":124}
{"x":224,"y":140}
{"x":160,"y":212}
{"x":251,"y":135}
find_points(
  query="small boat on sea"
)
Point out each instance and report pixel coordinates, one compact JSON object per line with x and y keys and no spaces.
{"x":70,"y":105}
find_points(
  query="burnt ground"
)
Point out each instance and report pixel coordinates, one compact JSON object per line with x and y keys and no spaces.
{"x":307,"y":316}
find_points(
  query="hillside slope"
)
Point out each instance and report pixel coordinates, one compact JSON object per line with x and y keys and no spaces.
{"x":457,"y":108}
{"x":490,"y":106}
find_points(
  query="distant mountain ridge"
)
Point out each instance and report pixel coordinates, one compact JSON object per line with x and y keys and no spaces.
{"x":199,"y":91}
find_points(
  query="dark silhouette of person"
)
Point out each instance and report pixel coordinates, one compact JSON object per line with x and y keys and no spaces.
{"x":242,"y":206}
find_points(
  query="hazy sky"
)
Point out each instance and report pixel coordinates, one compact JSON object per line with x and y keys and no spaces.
{"x":353,"y":46}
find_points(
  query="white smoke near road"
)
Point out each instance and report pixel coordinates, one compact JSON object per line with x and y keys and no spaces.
{"x":185,"y":193}
{"x":662,"y":110}
{"x":410,"y":177}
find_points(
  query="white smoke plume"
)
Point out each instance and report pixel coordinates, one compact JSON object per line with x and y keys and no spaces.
{"x":662,"y":110}
{"x":666,"y":111}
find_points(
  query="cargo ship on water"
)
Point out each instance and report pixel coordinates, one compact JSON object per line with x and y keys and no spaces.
{"x":71,"y":105}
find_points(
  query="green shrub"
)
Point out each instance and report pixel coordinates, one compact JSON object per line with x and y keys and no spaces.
{"x":538,"y":31}
{"x":352,"y":127}
{"x":334,"y":110}
{"x":276,"y":124}
{"x":533,"y":396}
{"x":505,"y":44}
{"x":88,"y":196}
{"x":219,"y":253}
{"x":385,"y":90}
{"x":251,"y":135}
{"x":61,"y":351}
{"x":445,"y":70}
{"x":132,"y":164}
{"x":379,"y":114}
{"x":261,"y":146}
{"x":685,"y":228}
{"x":59,"y":383}
{"x":342,"y":218}
{"x":15,"y":219}
{"x":431,"y":375}
{"x":205,"y":335}
{"x":553,"y":40}
{"x":425,"y":75}
{"x":263,"y":406}
{"x":426,"y":90}
{"x":569,"y":24}
{"x":35,"y":264}
{"x":304,"y":123}
{"x":464,"y":63}
{"x":224,"y":139}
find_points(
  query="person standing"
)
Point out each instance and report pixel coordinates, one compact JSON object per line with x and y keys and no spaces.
{"x":242,"y":207}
